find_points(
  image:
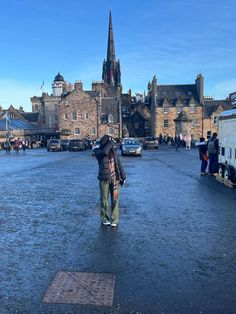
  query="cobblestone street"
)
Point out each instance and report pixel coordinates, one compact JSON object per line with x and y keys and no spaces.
{"x":172,"y":252}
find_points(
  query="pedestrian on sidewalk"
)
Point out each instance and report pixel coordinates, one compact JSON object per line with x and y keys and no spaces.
{"x":213,"y":148}
{"x":110,"y":175}
{"x":203,"y":156}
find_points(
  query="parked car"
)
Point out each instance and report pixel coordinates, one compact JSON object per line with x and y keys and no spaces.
{"x":77,"y":144}
{"x":88,"y":143}
{"x":65,"y":144}
{"x":54,"y":145}
{"x":131,"y":146}
{"x":150,"y":142}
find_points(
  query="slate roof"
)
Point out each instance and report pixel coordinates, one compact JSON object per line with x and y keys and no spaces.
{"x":211,"y":106}
{"x":92,"y":93}
{"x":31,"y":116}
{"x":17,"y":125}
{"x":174,"y":92}
{"x":109,"y":105}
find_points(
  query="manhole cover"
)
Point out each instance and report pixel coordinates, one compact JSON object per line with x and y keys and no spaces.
{"x":81,"y":288}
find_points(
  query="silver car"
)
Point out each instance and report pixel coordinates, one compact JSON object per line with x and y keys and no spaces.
{"x":54,"y":145}
{"x":131,"y":146}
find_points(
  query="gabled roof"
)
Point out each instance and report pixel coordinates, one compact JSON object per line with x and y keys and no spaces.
{"x":110,"y":105}
{"x":174,"y":92}
{"x":211,"y":106}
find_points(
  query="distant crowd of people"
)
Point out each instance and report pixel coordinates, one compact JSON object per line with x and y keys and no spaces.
{"x":18,"y":144}
{"x":180,"y":140}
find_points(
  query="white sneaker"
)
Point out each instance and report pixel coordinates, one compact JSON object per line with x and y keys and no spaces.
{"x":113,"y":224}
{"x":106,"y":223}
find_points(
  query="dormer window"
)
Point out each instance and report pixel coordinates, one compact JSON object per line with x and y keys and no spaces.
{"x":165,"y":109}
{"x":179,"y":108}
{"x":192,"y":108}
{"x":110,"y":118}
{"x":215,"y":119}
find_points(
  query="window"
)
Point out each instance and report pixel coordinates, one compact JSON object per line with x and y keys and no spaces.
{"x":222,"y":151}
{"x":189,"y":93}
{"x":192,"y":108}
{"x":55,"y":106}
{"x":86,"y":115}
{"x":165,"y":124}
{"x":136,"y":125}
{"x":177,"y":94}
{"x":74,"y":115}
{"x":165,"y":109}
{"x":215,"y":119}
{"x":193,"y":124}
{"x":110,"y":118}
{"x":36,"y":107}
{"x":56,"y":117}
{"x":229,"y":153}
{"x":178,"y":108}
{"x":146,"y":125}
{"x":66,"y":116}
{"x":93,"y":130}
{"x":77,"y":131}
{"x":111,"y":131}
{"x":164,"y":94}
{"x":208,"y":134}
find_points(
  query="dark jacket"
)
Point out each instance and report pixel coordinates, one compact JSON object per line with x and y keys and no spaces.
{"x":202,"y":149}
{"x":102,"y":154}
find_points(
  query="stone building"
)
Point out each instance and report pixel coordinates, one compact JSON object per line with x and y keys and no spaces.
{"x":166,"y":109}
{"x":184,"y":109}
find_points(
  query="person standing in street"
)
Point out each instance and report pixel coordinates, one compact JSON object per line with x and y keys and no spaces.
{"x":7,"y":146}
{"x":213,"y":148}
{"x":110,"y":175}
{"x":203,"y":156}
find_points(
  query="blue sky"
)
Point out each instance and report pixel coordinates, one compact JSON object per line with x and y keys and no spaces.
{"x":174,"y":39}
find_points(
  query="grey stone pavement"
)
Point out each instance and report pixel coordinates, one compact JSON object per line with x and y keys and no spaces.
{"x":173,"y":251}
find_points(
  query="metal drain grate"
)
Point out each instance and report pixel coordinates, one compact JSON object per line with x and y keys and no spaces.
{"x":81,"y":288}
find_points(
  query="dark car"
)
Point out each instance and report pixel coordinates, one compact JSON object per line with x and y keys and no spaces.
{"x":77,"y":144}
{"x":131,"y":146}
{"x":150,"y":142}
{"x":65,"y":144}
{"x":54,"y":145}
{"x":88,"y":143}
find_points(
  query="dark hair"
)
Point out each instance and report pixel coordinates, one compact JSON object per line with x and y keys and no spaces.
{"x":202,"y":139}
{"x":214,"y":134}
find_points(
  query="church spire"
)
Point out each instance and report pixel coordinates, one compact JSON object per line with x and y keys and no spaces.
{"x":111,"y":73}
{"x":111,"y":44}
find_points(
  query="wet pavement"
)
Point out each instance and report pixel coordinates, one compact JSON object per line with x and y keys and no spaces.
{"x":172,"y":252}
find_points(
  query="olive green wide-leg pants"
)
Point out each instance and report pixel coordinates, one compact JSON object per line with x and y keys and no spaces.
{"x":108,"y":213}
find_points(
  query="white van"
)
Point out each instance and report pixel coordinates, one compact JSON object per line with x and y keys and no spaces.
{"x":227,"y":144}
